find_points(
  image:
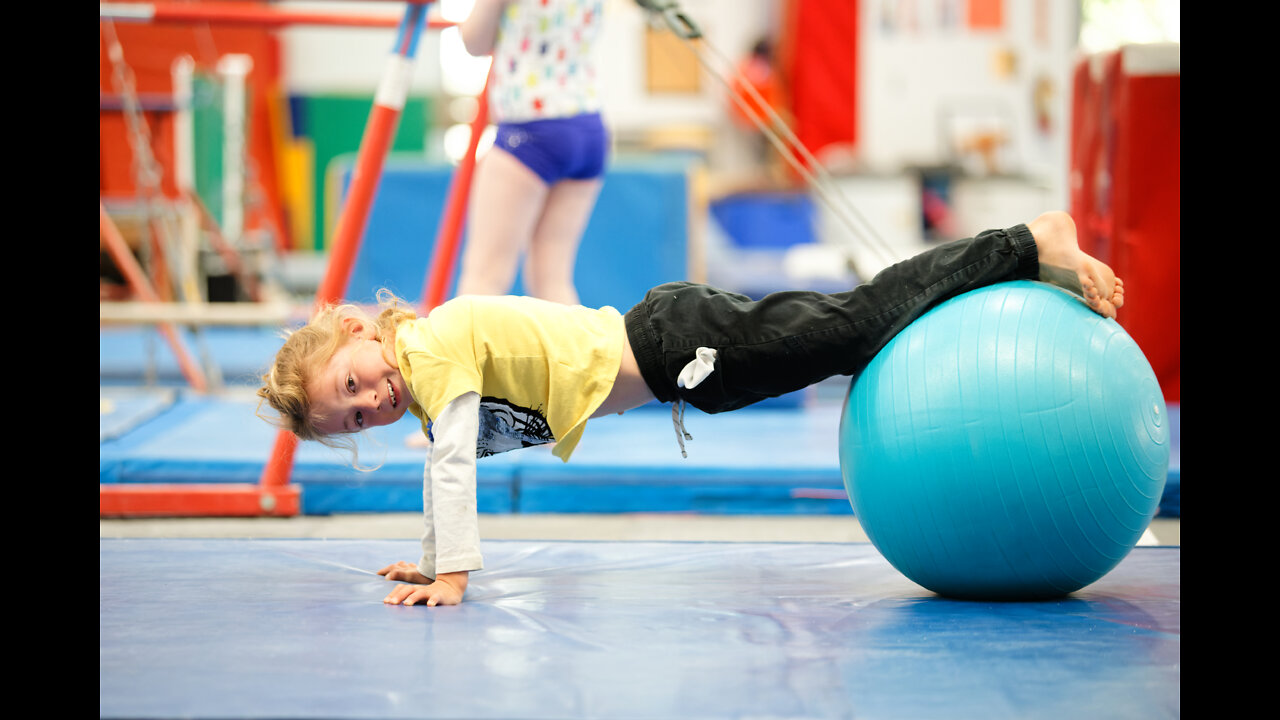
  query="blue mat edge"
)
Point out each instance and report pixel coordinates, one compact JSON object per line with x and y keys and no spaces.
{"x":527,"y":482}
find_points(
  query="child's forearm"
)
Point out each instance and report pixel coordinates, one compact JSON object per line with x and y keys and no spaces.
{"x":449,"y":491}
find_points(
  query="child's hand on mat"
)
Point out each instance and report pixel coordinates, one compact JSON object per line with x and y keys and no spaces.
{"x":448,"y":589}
{"x":405,"y":572}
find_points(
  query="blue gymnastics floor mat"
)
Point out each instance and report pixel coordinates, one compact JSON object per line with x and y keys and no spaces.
{"x":298,"y":629}
{"x":628,"y":463}
{"x":782,"y":460}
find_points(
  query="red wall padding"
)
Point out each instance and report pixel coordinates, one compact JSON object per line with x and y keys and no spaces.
{"x":819,"y":53}
{"x":1125,"y":195}
{"x":149,"y":51}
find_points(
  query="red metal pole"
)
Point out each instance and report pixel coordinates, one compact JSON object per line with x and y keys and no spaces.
{"x":244,"y":14}
{"x":449,"y":235}
{"x":379,"y":132}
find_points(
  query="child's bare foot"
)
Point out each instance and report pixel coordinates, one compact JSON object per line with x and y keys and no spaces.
{"x":1064,"y":264}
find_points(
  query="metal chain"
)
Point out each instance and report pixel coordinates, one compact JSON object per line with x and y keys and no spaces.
{"x":147,"y":179}
{"x":147,"y":172}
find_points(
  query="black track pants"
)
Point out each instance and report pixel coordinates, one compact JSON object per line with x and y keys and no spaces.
{"x":790,"y":340}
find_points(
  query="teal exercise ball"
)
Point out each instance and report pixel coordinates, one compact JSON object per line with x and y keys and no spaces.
{"x":1010,"y":444}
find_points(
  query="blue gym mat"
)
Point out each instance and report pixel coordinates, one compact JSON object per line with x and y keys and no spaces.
{"x":297,"y":628}
{"x":637,"y":236}
{"x":772,"y":460}
{"x":628,"y":463}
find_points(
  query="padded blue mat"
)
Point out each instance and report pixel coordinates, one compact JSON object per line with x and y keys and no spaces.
{"x":297,"y":628}
{"x":780,"y":460}
{"x":637,"y":236}
{"x":628,"y":463}
{"x":123,"y":409}
{"x":208,"y":439}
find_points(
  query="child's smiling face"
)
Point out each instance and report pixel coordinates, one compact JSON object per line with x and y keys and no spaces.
{"x":357,"y":388}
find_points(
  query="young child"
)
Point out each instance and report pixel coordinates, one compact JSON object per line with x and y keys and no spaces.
{"x":490,"y":374}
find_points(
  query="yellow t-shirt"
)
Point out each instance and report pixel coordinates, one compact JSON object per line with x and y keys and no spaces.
{"x":540,"y":368}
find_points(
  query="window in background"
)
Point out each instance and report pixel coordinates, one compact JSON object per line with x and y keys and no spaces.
{"x":1108,"y":24}
{"x":462,"y":78}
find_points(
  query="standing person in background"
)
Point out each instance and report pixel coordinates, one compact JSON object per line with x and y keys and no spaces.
{"x":534,"y":191}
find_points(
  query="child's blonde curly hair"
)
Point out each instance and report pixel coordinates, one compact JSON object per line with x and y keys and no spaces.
{"x":308,"y":349}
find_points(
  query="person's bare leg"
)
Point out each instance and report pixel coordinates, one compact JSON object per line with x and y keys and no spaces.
{"x":554,"y":247}
{"x":1064,"y":264}
{"x":506,"y":202}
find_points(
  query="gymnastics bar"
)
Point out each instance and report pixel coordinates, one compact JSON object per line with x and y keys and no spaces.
{"x":243,"y":13}
{"x":137,"y":279}
{"x":232,"y":500}
{"x":273,"y":494}
{"x":187,"y":313}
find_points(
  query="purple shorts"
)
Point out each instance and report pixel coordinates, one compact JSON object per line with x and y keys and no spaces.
{"x":572,"y":148}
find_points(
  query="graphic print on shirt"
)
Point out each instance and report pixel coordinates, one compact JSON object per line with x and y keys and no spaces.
{"x":504,"y":426}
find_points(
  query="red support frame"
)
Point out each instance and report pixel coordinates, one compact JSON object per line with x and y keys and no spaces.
{"x":227,"y":500}
{"x":273,"y":495}
{"x":249,"y":14}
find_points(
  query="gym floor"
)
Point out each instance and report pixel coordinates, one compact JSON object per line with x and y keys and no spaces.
{"x":583,"y":614}
{"x":578,"y":526}
{"x":618,"y":616}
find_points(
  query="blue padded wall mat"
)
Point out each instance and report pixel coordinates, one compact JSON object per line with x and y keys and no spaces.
{"x":750,"y":461}
{"x":768,"y":461}
{"x":637,"y":237}
{"x":298,"y":629}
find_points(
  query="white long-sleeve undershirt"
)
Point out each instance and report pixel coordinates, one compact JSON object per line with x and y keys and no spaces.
{"x":451,"y":533}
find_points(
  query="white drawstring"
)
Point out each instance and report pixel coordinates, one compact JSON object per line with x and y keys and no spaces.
{"x":677,"y":419}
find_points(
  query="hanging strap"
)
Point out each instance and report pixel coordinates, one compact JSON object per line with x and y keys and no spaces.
{"x":692,"y":375}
